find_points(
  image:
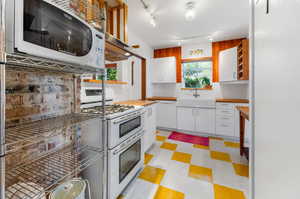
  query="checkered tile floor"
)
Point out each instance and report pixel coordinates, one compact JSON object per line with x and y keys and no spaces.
{"x":179,"y":170}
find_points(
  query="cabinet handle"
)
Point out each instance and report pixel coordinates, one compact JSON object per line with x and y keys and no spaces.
{"x":268,"y":7}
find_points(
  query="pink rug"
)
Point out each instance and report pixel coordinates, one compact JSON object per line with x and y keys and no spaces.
{"x":189,"y":138}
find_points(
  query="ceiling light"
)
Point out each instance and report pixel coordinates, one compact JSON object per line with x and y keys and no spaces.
{"x":190,"y":11}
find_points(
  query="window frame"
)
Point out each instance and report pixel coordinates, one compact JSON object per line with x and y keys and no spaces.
{"x":192,"y":60}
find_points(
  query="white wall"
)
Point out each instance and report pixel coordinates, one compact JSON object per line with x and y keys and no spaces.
{"x":218,"y":91}
{"x":129,"y":92}
{"x":276,"y":100}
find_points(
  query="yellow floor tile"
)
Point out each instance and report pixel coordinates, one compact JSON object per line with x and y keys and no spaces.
{"x":232,"y":144}
{"x":160,"y":138}
{"x":220,"y":156}
{"x":215,"y":138}
{"x":200,"y":173}
{"x":200,"y":146}
{"x":152,"y":174}
{"x":166,"y":193}
{"x":169,"y":146}
{"x":182,"y":157}
{"x":148,"y":158}
{"x":241,"y":170}
{"x":222,"y":192}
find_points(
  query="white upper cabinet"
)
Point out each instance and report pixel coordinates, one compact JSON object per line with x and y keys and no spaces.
{"x":164,"y":70}
{"x":228,"y":65}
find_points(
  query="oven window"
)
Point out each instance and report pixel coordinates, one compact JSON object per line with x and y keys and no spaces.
{"x":93,"y":92}
{"x":50,"y":27}
{"x":129,"y":159}
{"x":129,"y":126}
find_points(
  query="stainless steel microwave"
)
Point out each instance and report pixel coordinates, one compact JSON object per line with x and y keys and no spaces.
{"x":43,"y":28}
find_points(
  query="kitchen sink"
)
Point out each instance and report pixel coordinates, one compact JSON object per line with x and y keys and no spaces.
{"x":196,"y":103}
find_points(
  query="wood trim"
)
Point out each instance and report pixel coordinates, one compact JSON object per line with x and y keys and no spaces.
{"x":196,"y":59}
{"x":171,"y":52}
{"x":132,"y":73}
{"x":144,"y":78}
{"x":161,"y":98}
{"x":246,"y":101}
{"x":111,"y":21}
{"x":111,"y":65}
{"x":118,"y":23}
{"x":125,"y":22}
{"x":197,"y":89}
{"x":216,"y":48}
{"x":106,"y":81}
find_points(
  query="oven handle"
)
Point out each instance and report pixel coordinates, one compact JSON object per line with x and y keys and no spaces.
{"x":126,"y":144}
{"x":125,"y":118}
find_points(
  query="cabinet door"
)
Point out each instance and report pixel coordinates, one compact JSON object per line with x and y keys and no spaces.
{"x":228,"y":64}
{"x":185,"y":119}
{"x":164,"y":70}
{"x":204,"y":120}
{"x":150,"y":126}
{"x":166,"y":114}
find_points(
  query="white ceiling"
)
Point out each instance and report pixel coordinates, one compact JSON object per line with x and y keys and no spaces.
{"x":221,"y":19}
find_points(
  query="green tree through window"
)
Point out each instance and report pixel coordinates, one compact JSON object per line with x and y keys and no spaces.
{"x":197,"y":74}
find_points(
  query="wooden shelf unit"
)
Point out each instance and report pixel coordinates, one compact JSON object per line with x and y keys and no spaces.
{"x":243,"y":60}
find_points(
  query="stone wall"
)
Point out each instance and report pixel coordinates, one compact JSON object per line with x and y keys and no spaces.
{"x":37,"y":95}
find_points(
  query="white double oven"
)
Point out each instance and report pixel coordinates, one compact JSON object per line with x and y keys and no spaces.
{"x":125,"y":150}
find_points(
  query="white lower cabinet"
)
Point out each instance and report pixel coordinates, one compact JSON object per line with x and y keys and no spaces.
{"x":204,"y":120}
{"x":166,"y":114}
{"x":228,"y":120}
{"x":150,"y":126}
{"x":200,"y":120}
{"x":185,"y":119}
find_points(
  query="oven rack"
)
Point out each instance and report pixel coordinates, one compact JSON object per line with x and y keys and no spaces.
{"x":27,"y":134}
{"x":20,"y":61}
{"x":36,"y":179}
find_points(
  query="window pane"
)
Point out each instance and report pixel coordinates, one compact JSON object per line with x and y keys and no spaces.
{"x":197,"y":74}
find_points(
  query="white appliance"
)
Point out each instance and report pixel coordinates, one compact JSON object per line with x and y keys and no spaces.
{"x":124,"y":162}
{"x":44,"y":29}
{"x":228,"y":65}
{"x":124,"y":127}
{"x":92,"y":96}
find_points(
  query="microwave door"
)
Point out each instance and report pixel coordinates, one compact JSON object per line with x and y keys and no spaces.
{"x":44,"y":30}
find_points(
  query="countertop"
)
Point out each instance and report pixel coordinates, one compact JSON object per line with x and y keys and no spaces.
{"x":244,"y":111}
{"x":136,"y":102}
{"x":233,"y":100}
{"x":156,"y":98}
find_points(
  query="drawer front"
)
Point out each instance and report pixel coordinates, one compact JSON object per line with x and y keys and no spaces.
{"x":225,"y":129}
{"x":225,"y":106}
{"x":222,"y":112}
{"x":224,"y":119}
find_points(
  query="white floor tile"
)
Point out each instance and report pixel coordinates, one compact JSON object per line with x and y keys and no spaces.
{"x":192,"y":188}
{"x":202,"y":158}
{"x":164,"y":133}
{"x":140,"y":189}
{"x":224,"y":174}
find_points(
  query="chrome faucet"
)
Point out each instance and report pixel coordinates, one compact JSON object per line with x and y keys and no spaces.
{"x":196,"y":93}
